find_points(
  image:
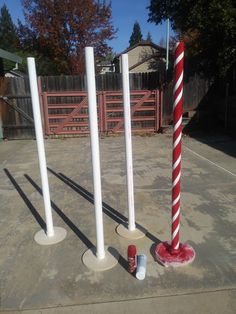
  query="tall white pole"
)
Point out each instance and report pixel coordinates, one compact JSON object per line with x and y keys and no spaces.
{"x":40,"y":145}
{"x":92,"y":102}
{"x":167,"y":43}
{"x":128,"y":140}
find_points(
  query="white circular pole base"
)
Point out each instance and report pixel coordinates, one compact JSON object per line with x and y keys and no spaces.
{"x":42,"y":238}
{"x":124,"y":232}
{"x":109,"y":261}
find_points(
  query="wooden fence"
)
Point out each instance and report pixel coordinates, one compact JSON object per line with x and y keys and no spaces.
{"x":105,"y":82}
{"x":195,"y":89}
{"x":16,"y":93}
{"x":152,"y":114}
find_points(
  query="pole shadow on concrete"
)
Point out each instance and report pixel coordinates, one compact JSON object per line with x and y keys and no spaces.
{"x":75,"y":229}
{"x":107,"y":209}
{"x":67,"y":221}
{"x":30,"y":206}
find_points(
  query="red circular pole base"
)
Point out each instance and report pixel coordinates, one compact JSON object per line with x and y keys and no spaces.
{"x":169,"y":257}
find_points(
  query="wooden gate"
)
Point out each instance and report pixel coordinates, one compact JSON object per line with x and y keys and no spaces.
{"x":67,"y":113}
{"x":145,"y":111}
{"x":16,"y":116}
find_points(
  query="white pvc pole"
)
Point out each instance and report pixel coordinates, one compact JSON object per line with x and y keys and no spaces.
{"x":128,"y":140}
{"x":93,"y":123}
{"x":40,"y":145}
{"x":167,"y":43}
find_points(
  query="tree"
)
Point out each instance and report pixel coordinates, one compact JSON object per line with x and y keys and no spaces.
{"x":149,"y":37}
{"x":59,"y":30}
{"x":8,"y":34}
{"x":136,"y":35}
{"x":208,"y":28}
{"x":8,"y":38}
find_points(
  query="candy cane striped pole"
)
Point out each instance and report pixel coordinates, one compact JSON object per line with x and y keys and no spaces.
{"x":176,"y":253}
{"x":177,"y":142}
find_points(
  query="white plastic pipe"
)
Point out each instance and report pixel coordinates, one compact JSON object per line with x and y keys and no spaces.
{"x":93,"y":123}
{"x":128,"y":140}
{"x":40,"y":145}
{"x":167,"y":43}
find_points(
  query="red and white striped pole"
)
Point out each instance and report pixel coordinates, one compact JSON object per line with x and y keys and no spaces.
{"x":177,"y":142}
{"x":176,"y":253}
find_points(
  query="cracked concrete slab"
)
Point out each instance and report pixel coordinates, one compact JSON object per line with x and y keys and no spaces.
{"x":33,"y":277}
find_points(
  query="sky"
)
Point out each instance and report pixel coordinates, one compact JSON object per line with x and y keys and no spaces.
{"x":124,"y":15}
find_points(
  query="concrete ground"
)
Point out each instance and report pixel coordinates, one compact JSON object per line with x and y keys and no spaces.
{"x":53,"y":279}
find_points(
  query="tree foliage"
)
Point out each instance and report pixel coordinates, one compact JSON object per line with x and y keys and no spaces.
{"x":208,"y":28}
{"x":59,"y":30}
{"x":136,"y":35}
{"x":8,"y":34}
{"x":8,"y":38}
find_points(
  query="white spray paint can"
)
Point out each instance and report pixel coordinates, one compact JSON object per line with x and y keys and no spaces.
{"x":141,"y":266}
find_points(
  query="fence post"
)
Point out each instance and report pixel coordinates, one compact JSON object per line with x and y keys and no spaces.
{"x":157,"y":111}
{"x":41,"y":103}
{"x":1,"y":120}
{"x":100,"y":112}
{"x":104,"y":111}
{"x":160,"y":94}
{"x":45,"y":113}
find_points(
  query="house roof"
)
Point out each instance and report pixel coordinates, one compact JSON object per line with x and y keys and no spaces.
{"x":10,"y":56}
{"x":15,"y":73}
{"x":141,"y":43}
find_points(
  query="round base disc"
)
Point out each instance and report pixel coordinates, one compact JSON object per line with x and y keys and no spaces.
{"x":42,"y":238}
{"x":124,"y":232}
{"x":165,"y":255}
{"x":109,"y":261}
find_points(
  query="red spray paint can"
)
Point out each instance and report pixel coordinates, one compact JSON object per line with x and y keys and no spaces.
{"x":132,"y":258}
